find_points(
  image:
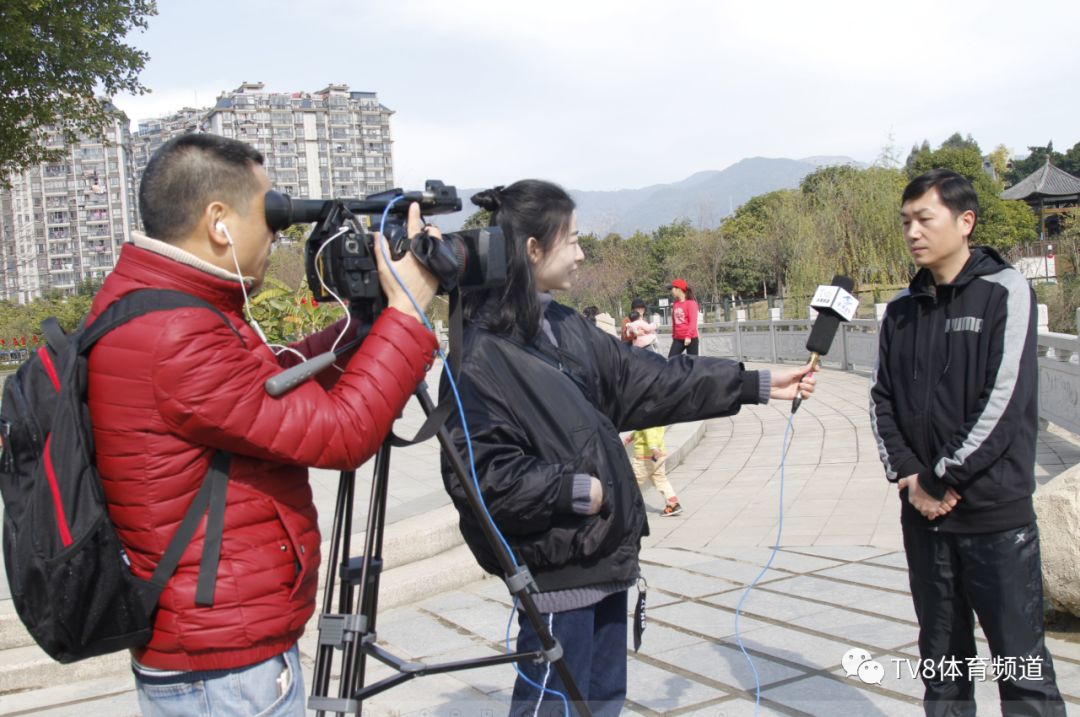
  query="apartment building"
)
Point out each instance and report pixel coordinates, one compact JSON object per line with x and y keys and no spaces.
{"x":63,"y":222}
{"x":330,"y":143}
{"x":153,"y":133}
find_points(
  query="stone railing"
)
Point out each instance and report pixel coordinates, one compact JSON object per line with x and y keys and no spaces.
{"x":855,"y":349}
{"x":1059,"y":378}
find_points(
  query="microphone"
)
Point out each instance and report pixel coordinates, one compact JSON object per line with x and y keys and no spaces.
{"x":834,"y":303}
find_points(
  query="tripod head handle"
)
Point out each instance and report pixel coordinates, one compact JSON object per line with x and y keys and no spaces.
{"x":279,"y":383}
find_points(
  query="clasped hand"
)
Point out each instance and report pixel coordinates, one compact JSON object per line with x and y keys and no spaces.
{"x":930,"y":507}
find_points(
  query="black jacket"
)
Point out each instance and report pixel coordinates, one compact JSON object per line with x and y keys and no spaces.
{"x":954,"y":395}
{"x":538,"y":415}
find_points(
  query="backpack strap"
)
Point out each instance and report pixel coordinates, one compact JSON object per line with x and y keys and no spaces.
{"x":210,"y":501}
{"x":54,"y":335}
{"x":137,"y":303}
{"x":218,"y":478}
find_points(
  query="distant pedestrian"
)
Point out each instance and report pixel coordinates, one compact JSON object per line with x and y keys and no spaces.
{"x":644,"y":332}
{"x":635,"y":305}
{"x":684,"y":320}
{"x":650,"y":456}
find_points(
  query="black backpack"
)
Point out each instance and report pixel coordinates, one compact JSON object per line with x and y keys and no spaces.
{"x":70,"y":578}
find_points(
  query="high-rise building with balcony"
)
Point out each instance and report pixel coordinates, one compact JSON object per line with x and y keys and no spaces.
{"x":330,"y":143}
{"x":63,"y":222}
{"x":153,"y":133}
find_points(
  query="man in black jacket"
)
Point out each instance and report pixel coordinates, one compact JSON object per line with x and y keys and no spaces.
{"x":953,"y":407}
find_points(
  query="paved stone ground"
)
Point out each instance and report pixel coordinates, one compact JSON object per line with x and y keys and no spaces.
{"x":838,"y":582}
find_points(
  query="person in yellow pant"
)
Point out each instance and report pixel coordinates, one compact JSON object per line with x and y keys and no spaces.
{"x":649,"y":459}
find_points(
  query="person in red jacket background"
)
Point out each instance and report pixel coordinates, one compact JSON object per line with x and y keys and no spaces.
{"x":684,"y":315}
{"x":170,"y":389}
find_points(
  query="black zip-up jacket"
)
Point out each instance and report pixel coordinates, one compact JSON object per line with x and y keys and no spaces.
{"x":954,"y":395}
{"x":537,"y":415}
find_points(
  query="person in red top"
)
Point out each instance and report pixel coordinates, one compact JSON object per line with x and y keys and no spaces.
{"x":169,"y":389}
{"x":684,"y":313}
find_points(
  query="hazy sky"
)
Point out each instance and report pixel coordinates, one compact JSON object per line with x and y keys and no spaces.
{"x":599,"y":94}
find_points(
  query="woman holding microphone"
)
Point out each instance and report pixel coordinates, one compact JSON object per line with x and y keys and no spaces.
{"x":545,"y":395}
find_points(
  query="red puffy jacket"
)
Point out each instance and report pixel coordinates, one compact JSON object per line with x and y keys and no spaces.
{"x":167,"y":389}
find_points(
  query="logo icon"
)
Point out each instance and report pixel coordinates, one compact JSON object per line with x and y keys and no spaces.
{"x":857,"y":663}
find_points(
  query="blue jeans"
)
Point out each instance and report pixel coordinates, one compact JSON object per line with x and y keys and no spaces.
{"x":594,"y":649}
{"x":252,"y":691}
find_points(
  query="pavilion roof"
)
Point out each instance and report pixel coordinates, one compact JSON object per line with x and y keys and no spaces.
{"x":1046,"y":181}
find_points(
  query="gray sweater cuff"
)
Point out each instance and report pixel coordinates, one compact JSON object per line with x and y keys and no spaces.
{"x":582,"y":486}
{"x":764,"y":385}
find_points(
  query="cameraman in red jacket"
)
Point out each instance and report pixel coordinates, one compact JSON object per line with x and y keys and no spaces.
{"x":169,"y":389}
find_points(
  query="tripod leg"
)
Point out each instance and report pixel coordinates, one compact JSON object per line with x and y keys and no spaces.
{"x":517,"y":578}
{"x":324,"y":658}
{"x":354,"y":659}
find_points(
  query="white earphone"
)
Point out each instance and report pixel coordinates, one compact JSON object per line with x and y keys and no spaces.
{"x":220,"y":226}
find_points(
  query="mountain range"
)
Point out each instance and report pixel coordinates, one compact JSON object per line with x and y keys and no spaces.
{"x":704,"y":198}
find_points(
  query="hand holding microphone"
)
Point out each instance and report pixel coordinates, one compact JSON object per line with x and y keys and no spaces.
{"x":834,"y":303}
{"x":793,"y":383}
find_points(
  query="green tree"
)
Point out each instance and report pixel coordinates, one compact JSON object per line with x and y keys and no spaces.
{"x":287,"y":265}
{"x":24,"y":320}
{"x":590,"y":246}
{"x":958,"y":142}
{"x":999,"y":160}
{"x":1070,"y":161}
{"x":288,"y":315}
{"x":604,"y":277}
{"x":478,"y":220}
{"x":853,"y":228}
{"x":707,"y":259}
{"x":56,"y":56}
{"x":1035,"y":159}
{"x":745,"y":230}
{"x":295,"y":233}
{"x":647,"y":280}
{"x":1002,"y":224}
{"x":916,"y":151}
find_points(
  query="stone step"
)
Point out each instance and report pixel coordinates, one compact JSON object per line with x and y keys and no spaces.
{"x":406,"y":541}
{"x":414,"y":539}
{"x":30,"y":680}
{"x":412,"y":583}
{"x":28,"y":668}
{"x":113,"y":695}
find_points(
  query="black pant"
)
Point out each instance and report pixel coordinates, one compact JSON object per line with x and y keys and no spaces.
{"x":677,"y":347}
{"x":999,"y":576}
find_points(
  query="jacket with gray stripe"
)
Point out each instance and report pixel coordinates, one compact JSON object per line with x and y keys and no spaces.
{"x":954,"y":395}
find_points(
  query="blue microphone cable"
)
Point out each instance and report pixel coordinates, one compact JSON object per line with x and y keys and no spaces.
{"x":768,"y":564}
{"x":468,"y":443}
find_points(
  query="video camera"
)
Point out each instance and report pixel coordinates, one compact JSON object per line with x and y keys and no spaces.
{"x":340,"y":253}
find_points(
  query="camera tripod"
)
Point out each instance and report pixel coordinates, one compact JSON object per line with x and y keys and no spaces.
{"x":351,"y":627}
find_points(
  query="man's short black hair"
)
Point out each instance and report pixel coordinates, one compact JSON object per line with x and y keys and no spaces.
{"x":187,"y":173}
{"x":956,"y":192}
